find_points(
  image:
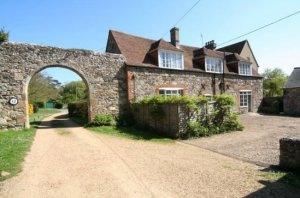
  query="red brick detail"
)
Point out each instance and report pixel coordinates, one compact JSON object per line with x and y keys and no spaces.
{"x":130,"y":85}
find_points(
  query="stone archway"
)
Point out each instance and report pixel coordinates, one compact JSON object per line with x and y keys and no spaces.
{"x":86,"y":82}
{"x":103,"y":73}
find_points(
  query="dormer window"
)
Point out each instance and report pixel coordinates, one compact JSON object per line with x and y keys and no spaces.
{"x":214,"y":65}
{"x":245,"y":69}
{"x":170,"y":60}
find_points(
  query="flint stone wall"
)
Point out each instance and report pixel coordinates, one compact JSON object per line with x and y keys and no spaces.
{"x":290,"y":153}
{"x":291,"y":101}
{"x":144,"y":82}
{"x":103,"y":73}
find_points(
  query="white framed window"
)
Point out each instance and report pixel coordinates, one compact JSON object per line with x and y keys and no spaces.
{"x":214,"y":65}
{"x":171,"y":91}
{"x":245,"y":98}
{"x":245,"y":69}
{"x":170,"y":60}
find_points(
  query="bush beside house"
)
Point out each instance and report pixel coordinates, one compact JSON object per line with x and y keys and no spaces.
{"x":185,"y":117}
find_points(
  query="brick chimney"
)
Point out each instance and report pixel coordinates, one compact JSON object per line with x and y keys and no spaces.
{"x":211,"y":45}
{"x":174,"y":32}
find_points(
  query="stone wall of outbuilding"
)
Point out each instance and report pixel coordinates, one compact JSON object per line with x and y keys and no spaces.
{"x":145,"y":81}
{"x":103,"y":73}
{"x":291,"y":101}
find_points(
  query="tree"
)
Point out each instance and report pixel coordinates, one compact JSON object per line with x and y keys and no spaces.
{"x":73,"y":91}
{"x":4,"y":35}
{"x":43,"y":88}
{"x":274,"y":81}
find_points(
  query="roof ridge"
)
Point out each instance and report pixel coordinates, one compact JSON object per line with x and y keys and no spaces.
{"x":140,"y":37}
{"x":233,"y":44}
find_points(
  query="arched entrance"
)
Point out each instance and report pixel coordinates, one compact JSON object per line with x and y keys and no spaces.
{"x":27,"y":123}
{"x":103,"y":73}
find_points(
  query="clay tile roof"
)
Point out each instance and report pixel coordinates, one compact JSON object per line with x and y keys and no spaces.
{"x":138,"y":51}
{"x":235,"y":57}
{"x":134,"y":48}
{"x":208,"y":52}
{"x":234,"y":48}
{"x":162,"y":44}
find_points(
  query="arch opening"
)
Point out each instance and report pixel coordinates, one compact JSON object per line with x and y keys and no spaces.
{"x":64,"y":85}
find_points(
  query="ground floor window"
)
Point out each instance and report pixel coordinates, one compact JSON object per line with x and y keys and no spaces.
{"x":171,"y":91}
{"x":246,"y":99}
{"x":210,"y":98}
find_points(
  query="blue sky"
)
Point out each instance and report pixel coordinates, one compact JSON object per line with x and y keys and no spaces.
{"x":85,"y":24}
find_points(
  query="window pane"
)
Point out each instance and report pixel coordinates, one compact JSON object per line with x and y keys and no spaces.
{"x":214,"y":64}
{"x":245,"y":69}
{"x":170,"y":60}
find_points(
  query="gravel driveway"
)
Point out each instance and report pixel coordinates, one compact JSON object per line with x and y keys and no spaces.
{"x":69,"y":161}
{"x":258,"y":143}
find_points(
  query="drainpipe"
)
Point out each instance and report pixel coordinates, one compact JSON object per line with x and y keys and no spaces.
{"x":214,"y":84}
{"x":223,"y":76}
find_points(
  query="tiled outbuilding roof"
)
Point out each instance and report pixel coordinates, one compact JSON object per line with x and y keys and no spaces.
{"x":294,"y":79}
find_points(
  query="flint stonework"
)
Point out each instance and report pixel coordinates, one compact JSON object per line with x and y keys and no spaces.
{"x":103,"y":73}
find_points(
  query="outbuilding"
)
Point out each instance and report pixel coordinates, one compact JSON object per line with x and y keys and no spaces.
{"x":291,"y":96}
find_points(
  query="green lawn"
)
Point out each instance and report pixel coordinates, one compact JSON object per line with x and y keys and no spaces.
{"x":131,"y":133}
{"x":41,"y":114}
{"x":15,"y":144}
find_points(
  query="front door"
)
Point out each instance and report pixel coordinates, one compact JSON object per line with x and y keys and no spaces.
{"x":246,"y":100}
{"x":249,"y":102}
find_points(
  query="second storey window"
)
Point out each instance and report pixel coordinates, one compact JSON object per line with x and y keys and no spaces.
{"x":214,"y":65}
{"x":245,"y":69}
{"x":171,"y":91}
{"x":171,"y":60}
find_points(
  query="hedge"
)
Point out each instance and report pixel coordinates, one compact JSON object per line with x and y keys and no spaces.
{"x":79,"y":109}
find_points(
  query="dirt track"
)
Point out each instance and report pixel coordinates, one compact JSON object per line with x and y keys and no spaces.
{"x":69,"y":161}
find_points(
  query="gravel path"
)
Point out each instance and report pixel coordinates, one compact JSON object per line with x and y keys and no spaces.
{"x":69,"y":161}
{"x":258,"y":143}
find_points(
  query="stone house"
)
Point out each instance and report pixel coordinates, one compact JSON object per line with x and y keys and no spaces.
{"x":291,"y":94}
{"x":170,"y":68}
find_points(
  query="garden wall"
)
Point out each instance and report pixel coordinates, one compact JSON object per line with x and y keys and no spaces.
{"x":171,"y":124}
{"x":290,"y":153}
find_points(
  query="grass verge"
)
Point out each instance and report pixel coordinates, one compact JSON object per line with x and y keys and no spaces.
{"x":131,"y":133}
{"x":290,"y":178}
{"x":15,"y":144}
{"x":125,"y":132}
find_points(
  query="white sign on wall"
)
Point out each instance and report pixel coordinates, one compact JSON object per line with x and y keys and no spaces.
{"x":13,"y":101}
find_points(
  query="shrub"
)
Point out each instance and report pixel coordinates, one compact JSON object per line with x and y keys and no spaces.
{"x":195,"y":129}
{"x":35,"y":108}
{"x":58,"y":105}
{"x":4,"y":35}
{"x":79,"y":109}
{"x":102,"y":120}
{"x":40,"y":104}
{"x":30,"y":109}
{"x":199,"y":122}
{"x":125,"y":120}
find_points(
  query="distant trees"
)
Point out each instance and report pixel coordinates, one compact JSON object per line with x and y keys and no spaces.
{"x":73,"y":91}
{"x":274,"y":81}
{"x":4,"y":35}
{"x":43,"y":89}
